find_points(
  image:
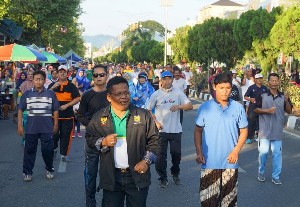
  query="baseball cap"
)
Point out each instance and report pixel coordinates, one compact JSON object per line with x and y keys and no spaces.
{"x":259,"y":75}
{"x":63,"y":67}
{"x":167,"y":74}
{"x":144,"y":75}
{"x":233,"y":71}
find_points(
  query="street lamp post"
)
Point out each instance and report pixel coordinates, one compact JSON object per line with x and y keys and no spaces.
{"x":166,"y":4}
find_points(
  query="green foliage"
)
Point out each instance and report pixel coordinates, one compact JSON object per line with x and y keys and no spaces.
{"x":119,"y":57}
{"x":4,"y":6}
{"x":147,"y":51}
{"x":294,"y":93}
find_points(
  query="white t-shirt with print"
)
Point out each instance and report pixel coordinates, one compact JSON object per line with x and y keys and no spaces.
{"x":180,"y":84}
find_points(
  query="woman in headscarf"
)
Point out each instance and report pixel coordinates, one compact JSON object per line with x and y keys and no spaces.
{"x":131,"y":86}
{"x":143,"y":90}
{"x":81,"y":81}
{"x":28,"y":84}
{"x":22,"y":79}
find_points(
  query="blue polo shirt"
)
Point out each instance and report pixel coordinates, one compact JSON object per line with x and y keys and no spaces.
{"x":40,"y":107}
{"x":220,"y":131}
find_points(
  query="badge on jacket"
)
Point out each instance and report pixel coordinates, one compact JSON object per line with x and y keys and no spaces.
{"x":103,"y":121}
{"x":137,"y":119}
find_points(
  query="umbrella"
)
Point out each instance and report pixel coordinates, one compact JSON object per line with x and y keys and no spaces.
{"x":15,"y":52}
{"x":53,"y":58}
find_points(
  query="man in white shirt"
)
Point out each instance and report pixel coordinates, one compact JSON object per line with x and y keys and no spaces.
{"x":179,"y":82}
{"x":188,"y":78}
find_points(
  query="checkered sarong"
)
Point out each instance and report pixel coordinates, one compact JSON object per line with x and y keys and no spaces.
{"x":218,"y":188}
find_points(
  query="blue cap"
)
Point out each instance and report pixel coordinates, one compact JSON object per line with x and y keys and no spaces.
{"x":143,"y":74}
{"x":167,"y":74}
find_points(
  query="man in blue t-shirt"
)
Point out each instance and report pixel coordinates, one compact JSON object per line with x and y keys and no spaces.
{"x":41,"y":104}
{"x":220,"y":133}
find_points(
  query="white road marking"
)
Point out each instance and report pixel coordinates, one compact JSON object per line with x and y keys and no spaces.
{"x":291,"y":133}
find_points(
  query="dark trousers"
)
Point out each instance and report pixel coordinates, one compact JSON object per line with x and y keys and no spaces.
{"x":181,"y":116}
{"x":6,"y":108}
{"x":125,"y":188}
{"x":187,"y":91}
{"x":252,"y":122}
{"x":64,"y":135}
{"x":30,"y":151}
{"x":175,"y":151}
{"x":90,"y":175}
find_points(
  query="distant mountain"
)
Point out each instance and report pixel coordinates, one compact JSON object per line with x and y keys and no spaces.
{"x":101,"y":40}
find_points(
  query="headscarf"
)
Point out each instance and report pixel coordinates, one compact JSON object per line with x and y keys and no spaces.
{"x":20,"y":81}
{"x":82,"y":80}
{"x":143,"y":91}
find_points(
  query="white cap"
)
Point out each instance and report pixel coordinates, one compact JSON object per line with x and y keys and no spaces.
{"x":233,"y":71}
{"x":259,"y":75}
{"x":63,"y":67}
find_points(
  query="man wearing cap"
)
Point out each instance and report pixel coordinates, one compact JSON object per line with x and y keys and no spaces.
{"x":167,"y":102}
{"x":67,"y":95}
{"x":251,"y":94}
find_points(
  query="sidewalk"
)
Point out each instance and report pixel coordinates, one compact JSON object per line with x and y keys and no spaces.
{"x":291,"y":122}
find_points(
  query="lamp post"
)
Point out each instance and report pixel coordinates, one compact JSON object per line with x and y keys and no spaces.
{"x":166,"y":4}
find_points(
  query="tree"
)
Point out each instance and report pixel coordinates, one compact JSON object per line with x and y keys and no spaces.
{"x":156,"y":53}
{"x":179,"y":44}
{"x":4,"y":6}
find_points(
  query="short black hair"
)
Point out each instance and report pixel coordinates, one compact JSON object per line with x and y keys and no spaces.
{"x":274,"y":75}
{"x":39,"y":72}
{"x":115,"y":81}
{"x":176,"y":68}
{"x":54,"y":69}
{"x":100,"y":66}
{"x":224,"y":77}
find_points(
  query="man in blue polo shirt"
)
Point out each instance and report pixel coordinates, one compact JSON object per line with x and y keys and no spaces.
{"x":220,"y":132}
{"x":41,"y":105}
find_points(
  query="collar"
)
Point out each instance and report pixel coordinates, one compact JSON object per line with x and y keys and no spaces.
{"x":228,"y":103}
{"x":279,"y":94}
{"x":167,"y":90}
{"x":65,"y":82}
{"x":43,"y":89}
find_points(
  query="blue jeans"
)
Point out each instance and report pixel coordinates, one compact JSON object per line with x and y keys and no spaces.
{"x":276,"y":148}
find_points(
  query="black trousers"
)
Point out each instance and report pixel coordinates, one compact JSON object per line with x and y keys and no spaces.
{"x":187,"y":91}
{"x":175,"y":151}
{"x":31,"y":148}
{"x":64,"y":135}
{"x":125,"y":189}
{"x":252,"y":122}
{"x":90,"y":175}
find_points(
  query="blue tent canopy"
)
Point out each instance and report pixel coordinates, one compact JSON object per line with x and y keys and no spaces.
{"x":72,"y":56}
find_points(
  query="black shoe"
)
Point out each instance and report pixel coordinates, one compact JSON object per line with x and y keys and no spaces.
{"x":176,"y":180}
{"x":163,"y":183}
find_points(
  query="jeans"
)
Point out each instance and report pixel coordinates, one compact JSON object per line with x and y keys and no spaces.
{"x":276,"y":148}
{"x":175,"y":151}
{"x":30,"y":151}
{"x":125,"y":188}
{"x":90,"y":175}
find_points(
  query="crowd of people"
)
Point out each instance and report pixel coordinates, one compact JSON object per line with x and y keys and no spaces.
{"x":133,"y":112}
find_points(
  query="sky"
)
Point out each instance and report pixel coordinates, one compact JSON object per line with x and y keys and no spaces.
{"x":111,"y":17}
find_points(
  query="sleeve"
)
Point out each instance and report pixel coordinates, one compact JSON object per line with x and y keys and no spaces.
{"x":184,"y":85}
{"x":93,"y":133}
{"x":200,"y":121}
{"x":50,"y":85}
{"x":74,"y":91}
{"x":151,"y":101}
{"x":83,"y":106}
{"x":183,"y":98}
{"x":242,"y":120}
{"x":152,"y":139}
{"x":248,"y":92}
{"x":55,"y":103}
{"x":22,"y":105}
{"x":258,"y":101}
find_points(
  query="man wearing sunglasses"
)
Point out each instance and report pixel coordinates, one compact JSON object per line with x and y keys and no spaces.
{"x":92,"y":101}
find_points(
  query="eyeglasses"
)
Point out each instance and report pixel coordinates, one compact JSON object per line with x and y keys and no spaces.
{"x":95,"y":75}
{"x":119,"y":95}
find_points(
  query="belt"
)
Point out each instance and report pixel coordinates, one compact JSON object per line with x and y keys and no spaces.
{"x":123,"y":170}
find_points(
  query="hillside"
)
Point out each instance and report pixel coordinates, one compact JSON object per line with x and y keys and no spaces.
{"x":102,"y":40}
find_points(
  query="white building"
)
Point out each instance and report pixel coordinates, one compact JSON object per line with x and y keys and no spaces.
{"x":88,"y":50}
{"x":269,"y":4}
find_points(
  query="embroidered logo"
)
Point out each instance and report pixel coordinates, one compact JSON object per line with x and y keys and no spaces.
{"x":103,"y":121}
{"x":137,"y":119}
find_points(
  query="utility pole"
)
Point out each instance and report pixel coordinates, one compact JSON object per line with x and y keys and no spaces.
{"x":166,"y":4}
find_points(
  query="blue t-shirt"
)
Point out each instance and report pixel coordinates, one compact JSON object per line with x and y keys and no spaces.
{"x":220,"y":131}
{"x":40,"y":107}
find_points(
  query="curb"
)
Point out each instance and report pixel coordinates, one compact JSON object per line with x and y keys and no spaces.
{"x":290,"y":122}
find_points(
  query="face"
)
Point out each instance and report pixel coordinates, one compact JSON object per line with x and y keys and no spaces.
{"x":119,"y":96}
{"x":80,"y":73}
{"x":223,"y":91}
{"x":166,"y":82}
{"x":177,"y":74}
{"x":38,"y":81}
{"x":30,"y":76}
{"x":274,"y":82}
{"x":101,"y":77}
{"x":54,"y":74}
{"x":23,"y":76}
{"x":169,"y":68}
{"x":234,"y":75}
{"x":62,"y":75}
{"x":142,"y":80}
{"x":259,"y":81}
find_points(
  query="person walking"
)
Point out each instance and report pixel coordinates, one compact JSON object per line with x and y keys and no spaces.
{"x":67,"y":95}
{"x":270,"y":108}
{"x":167,"y":102}
{"x":128,"y":141}
{"x":220,"y":133}
{"x":41,"y":105}
{"x":92,"y":101}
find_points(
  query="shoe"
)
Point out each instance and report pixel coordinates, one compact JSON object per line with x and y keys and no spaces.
{"x":276,"y":181}
{"x":256,"y":139}
{"x":163,"y":184}
{"x":79,"y":135}
{"x":49,"y":175}
{"x":248,"y":141}
{"x":27,"y":177}
{"x":73,"y":135}
{"x":176,"y":179}
{"x":65,"y":159}
{"x":261,"y":177}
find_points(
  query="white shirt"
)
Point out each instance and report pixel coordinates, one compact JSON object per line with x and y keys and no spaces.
{"x":120,"y":153}
{"x":180,"y":84}
{"x":245,"y":87}
{"x":188,"y":76}
{"x":157,"y":72}
{"x":135,"y":76}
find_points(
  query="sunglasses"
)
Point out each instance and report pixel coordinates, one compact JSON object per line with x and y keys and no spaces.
{"x":95,"y":75}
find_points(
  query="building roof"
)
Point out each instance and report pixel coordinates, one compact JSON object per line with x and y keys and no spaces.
{"x":226,"y":3}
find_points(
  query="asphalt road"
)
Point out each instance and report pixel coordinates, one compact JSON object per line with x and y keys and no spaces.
{"x":67,"y":189}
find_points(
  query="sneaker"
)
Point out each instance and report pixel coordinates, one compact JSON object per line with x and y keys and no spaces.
{"x":276,"y":181}
{"x":65,"y":159}
{"x":49,"y":175}
{"x":27,"y":177}
{"x":163,"y":184}
{"x":73,"y":135}
{"x":248,"y":141}
{"x":176,"y":179}
{"x":79,"y":135}
{"x":261,"y":177}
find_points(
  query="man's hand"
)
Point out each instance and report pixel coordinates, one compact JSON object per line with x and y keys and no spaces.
{"x":252,"y":100}
{"x":233,"y":156}
{"x":158,"y":125}
{"x":20,"y":131}
{"x":110,"y":140}
{"x":174,"y":108}
{"x":55,"y":85}
{"x":200,"y":158}
{"x":141,"y":167}
{"x":55,"y":129}
{"x":64,"y":107}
